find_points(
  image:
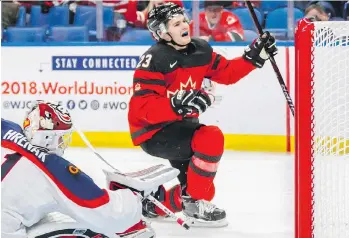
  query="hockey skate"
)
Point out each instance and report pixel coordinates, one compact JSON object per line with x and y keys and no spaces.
{"x":149,"y":212}
{"x":202,"y":213}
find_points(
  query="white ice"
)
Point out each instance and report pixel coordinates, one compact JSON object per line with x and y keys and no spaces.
{"x":255,"y":189}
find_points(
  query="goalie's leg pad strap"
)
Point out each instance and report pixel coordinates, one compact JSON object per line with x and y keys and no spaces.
{"x":208,"y":147}
{"x":171,"y":198}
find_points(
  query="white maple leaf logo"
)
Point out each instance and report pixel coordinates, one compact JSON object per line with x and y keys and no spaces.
{"x":183,"y":86}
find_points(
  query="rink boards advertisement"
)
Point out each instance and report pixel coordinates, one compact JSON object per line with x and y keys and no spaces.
{"x":95,"y":84}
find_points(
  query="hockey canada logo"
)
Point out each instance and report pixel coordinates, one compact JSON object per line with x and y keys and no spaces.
{"x":183,"y":86}
{"x":137,"y":87}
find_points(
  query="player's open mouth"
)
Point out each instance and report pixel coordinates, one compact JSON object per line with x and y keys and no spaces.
{"x":185,"y":34}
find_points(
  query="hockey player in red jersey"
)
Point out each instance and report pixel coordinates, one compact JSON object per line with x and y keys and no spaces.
{"x":219,"y":25}
{"x":167,"y":101}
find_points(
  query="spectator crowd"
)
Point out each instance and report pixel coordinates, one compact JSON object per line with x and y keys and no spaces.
{"x":125,"y":20}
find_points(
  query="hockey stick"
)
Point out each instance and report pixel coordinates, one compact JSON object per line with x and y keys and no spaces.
{"x":272,"y":60}
{"x":179,"y":220}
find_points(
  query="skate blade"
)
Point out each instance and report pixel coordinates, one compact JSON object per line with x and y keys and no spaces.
{"x":192,"y":222}
{"x":207,"y":224}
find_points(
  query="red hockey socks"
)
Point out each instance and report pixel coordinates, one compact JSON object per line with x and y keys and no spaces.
{"x":171,"y":198}
{"x":208,"y":146}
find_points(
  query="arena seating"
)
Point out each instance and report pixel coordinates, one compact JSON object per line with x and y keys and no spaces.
{"x":26,"y":34}
{"x":245,"y":18}
{"x":136,"y":35}
{"x":70,"y":33}
{"x":54,"y":25}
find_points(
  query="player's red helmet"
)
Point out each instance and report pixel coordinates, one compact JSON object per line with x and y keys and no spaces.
{"x":48,"y":125}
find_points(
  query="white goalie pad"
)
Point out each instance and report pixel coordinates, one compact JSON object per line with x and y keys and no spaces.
{"x":56,"y":225}
{"x":146,"y":180}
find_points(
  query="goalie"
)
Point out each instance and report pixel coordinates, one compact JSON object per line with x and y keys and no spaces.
{"x":36,"y":181}
{"x":167,"y":101}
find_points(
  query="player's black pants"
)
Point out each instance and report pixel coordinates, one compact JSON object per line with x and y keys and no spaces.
{"x":173,"y":143}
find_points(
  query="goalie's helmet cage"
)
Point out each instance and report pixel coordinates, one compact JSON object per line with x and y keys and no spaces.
{"x":322,"y":130}
{"x":159,"y":17}
{"x":48,"y":125}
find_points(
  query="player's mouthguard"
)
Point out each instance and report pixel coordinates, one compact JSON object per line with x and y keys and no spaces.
{"x":185,"y":33}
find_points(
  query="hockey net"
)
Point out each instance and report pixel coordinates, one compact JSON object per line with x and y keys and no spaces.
{"x":322,"y":130}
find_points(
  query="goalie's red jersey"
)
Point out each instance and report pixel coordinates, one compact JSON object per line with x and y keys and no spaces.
{"x":162,"y":71}
{"x":224,"y":30}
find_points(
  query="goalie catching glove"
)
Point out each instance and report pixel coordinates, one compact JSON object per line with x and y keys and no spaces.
{"x":261,"y":49}
{"x":187,"y":102}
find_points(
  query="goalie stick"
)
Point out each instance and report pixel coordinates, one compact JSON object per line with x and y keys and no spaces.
{"x":179,"y":220}
{"x":272,"y":60}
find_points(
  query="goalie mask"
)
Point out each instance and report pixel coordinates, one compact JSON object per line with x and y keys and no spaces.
{"x":48,"y":125}
{"x":160,"y":16}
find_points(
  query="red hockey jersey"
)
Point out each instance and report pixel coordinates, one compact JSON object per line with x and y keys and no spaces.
{"x":162,"y":71}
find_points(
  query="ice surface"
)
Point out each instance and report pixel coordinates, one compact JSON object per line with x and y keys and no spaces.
{"x":255,"y":189}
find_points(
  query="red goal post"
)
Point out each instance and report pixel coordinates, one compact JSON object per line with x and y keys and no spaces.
{"x":322,"y":130}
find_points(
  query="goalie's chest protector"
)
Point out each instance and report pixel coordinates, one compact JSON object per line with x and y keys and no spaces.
{"x":183,"y":70}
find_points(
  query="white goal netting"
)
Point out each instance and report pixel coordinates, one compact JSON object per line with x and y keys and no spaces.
{"x":330,"y":130}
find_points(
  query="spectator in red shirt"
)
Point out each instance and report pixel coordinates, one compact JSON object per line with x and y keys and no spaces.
{"x":216,"y":24}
